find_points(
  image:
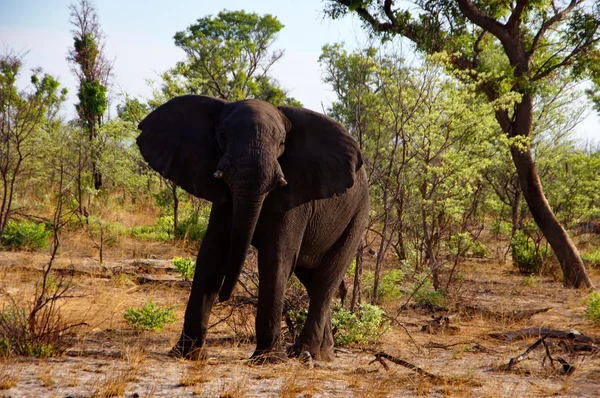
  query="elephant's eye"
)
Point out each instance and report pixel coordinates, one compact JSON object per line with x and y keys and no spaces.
{"x":281,"y":144}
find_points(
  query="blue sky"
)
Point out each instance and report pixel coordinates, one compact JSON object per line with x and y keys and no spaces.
{"x":139,"y":37}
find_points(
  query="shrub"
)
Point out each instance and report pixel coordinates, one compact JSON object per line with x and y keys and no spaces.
{"x":185,"y":266}
{"x":591,"y":259}
{"x":424,"y":294}
{"x":500,"y":228}
{"x":24,"y":235}
{"x":24,"y":332}
{"x":389,"y":284}
{"x":192,"y":228}
{"x":150,"y":317}
{"x":366,"y":327}
{"x":592,"y":311}
{"x":526,"y":255}
{"x":161,"y":230}
{"x":389,"y":289}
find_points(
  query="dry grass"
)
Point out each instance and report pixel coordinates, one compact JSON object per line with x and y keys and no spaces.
{"x":8,"y":378}
{"x":113,"y":358}
{"x":112,"y":384}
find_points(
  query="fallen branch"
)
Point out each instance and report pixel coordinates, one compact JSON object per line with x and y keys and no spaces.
{"x":523,"y":334}
{"x":381,"y":356}
{"x":475,"y":344}
{"x":565,"y":367}
{"x":510,"y":316}
{"x":523,"y":356}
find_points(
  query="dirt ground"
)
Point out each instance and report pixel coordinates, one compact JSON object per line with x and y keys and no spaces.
{"x":106,"y":358}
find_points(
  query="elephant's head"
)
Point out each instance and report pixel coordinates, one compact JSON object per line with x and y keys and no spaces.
{"x":259,"y":157}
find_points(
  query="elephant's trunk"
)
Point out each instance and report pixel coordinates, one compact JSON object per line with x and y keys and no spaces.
{"x":244,"y":219}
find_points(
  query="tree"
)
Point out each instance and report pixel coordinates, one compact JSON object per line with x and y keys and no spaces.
{"x":229,"y":57}
{"x":23,"y":116}
{"x":509,"y":51}
{"x":93,"y":71}
{"x":422,"y":152}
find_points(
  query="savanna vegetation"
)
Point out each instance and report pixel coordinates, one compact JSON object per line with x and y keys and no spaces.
{"x":485,"y":208}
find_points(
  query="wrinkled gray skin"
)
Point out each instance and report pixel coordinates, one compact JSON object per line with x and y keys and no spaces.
{"x":287,"y":180}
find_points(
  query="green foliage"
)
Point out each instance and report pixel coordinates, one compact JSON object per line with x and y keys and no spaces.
{"x":367,"y":326}
{"x":150,"y":317}
{"x":25,"y":235}
{"x":530,"y":281}
{"x":528,"y":256}
{"x":185,"y":266}
{"x":161,"y":230}
{"x":500,"y":228}
{"x":591,"y":259}
{"x":193,"y":227}
{"x":92,"y":99}
{"x":592,"y":311}
{"x":229,"y":57}
{"x":23,"y":334}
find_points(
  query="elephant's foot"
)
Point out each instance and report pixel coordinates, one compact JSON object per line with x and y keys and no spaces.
{"x":317,"y":353}
{"x":263,"y":357}
{"x":187,"y":350}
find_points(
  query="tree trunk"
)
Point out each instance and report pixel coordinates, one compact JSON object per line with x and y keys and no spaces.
{"x":356,"y":296}
{"x":574,"y":272}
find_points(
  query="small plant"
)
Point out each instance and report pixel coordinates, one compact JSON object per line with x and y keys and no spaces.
{"x":365,"y":327}
{"x":31,"y":333}
{"x":389,"y":288}
{"x":528,"y":256}
{"x":185,"y":266}
{"x":500,"y":228}
{"x":151,"y":317}
{"x":24,"y":235}
{"x":591,"y":259}
{"x":192,"y":228}
{"x":530,"y":281}
{"x":592,"y":311}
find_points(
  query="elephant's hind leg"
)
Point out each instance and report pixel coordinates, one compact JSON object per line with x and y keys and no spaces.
{"x":322,"y":282}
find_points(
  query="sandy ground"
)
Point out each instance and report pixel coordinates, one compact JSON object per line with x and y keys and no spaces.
{"x":106,"y":358}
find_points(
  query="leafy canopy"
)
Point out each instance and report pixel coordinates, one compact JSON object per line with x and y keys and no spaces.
{"x":228,"y":56}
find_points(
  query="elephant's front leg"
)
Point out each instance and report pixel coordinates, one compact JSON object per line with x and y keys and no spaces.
{"x":274,"y":270}
{"x":210,"y":270}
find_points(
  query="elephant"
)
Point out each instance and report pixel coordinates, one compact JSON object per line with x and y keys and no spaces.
{"x":286,"y":180}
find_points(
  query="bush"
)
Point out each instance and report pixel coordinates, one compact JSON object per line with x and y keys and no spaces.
{"x":366,"y":327}
{"x":527,"y":256}
{"x":25,"y":235}
{"x":592,"y":311}
{"x":591,"y":259}
{"x":389,"y":284}
{"x":185,"y":266}
{"x":150,"y":317}
{"x":161,"y":230}
{"x":192,"y":228}
{"x":500,"y":228}
{"x":23,"y":333}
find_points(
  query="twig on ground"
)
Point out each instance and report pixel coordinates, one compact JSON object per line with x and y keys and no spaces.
{"x":523,"y":356}
{"x":381,"y":356}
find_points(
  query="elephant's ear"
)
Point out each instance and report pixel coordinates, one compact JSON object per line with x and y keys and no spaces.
{"x":178,"y":141}
{"x":320,"y":160}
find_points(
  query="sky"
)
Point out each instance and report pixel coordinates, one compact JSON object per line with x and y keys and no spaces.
{"x":139,"y":38}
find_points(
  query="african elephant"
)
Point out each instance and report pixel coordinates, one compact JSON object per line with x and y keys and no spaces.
{"x":287,"y":180}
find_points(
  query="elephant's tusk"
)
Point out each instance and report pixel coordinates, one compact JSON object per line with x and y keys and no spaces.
{"x":282,"y":181}
{"x":218,"y":174}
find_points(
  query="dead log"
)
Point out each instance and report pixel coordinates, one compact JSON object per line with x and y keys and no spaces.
{"x":522,"y":334}
{"x":505,"y":316}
